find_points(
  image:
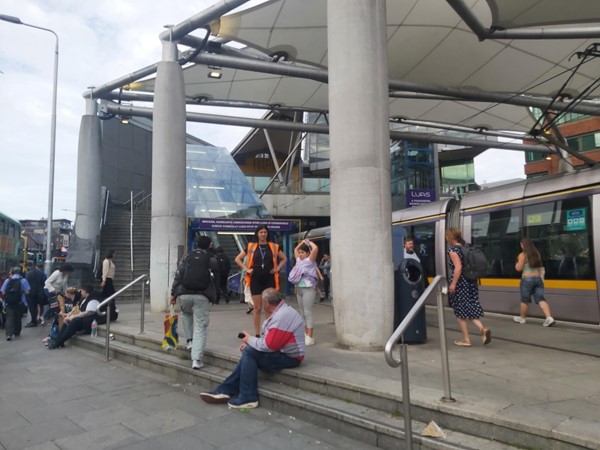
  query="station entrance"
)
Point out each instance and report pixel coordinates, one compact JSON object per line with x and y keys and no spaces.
{"x":233,"y":236}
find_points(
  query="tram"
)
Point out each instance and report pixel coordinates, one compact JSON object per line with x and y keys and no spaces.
{"x":558,"y":213}
{"x":10,"y":236}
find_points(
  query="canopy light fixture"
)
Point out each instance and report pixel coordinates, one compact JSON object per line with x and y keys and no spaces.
{"x":215,"y":72}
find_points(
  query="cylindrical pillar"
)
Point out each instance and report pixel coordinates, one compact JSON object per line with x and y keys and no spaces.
{"x":88,"y":204}
{"x":362,"y":268}
{"x":168,"y":176}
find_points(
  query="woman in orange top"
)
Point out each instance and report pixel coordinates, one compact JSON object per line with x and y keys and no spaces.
{"x":263,"y":263}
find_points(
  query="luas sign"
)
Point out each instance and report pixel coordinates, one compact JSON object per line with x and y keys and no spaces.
{"x":416,"y":197}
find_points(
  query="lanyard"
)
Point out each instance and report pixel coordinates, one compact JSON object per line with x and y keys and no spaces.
{"x":263,"y":252}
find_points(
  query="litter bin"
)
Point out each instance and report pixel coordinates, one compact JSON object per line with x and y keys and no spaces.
{"x":408,"y":287}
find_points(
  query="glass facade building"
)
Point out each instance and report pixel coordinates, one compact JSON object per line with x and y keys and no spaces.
{"x":217,"y":188}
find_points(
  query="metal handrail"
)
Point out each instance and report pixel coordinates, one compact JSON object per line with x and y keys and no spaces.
{"x":440,"y":286}
{"x":141,"y":202}
{"x":107,"y":313}
{"x":133,"y":197}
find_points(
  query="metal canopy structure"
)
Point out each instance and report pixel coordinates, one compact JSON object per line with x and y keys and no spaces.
{"x":431,"y":50}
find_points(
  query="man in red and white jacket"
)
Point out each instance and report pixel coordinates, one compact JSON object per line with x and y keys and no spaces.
{"x":281,"y":346}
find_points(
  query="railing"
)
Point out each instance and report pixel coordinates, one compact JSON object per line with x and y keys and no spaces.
{"x":440,"y":286}
{"x":106,"y":302}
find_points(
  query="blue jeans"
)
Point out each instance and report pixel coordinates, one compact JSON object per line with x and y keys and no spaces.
{"x":532,"y":286}
{"x":243,"y":381}
{"x":194,"y":309}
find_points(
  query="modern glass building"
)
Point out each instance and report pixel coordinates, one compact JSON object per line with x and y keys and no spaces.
{"x":216,"y":187}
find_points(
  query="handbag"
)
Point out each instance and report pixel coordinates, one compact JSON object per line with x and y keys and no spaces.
{"x":295,"y":274}
{"x":171,"y":337}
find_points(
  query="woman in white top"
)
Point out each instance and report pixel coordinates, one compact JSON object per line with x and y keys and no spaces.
{"x":306,"y":290}
{"x":55,"y":284}
{"x":108,"y":275}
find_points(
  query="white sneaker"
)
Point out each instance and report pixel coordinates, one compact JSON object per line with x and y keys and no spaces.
{"x":519,"y":319}
{"x":308,"y":340}
{"x":188,"y":345}
{"x":197,"y":364}
{"x":548,"y":322}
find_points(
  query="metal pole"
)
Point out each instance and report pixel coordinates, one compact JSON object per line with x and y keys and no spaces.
{"x":443,"y":345}
{"x":406,"y":397}
{"x":131,"y":239}
{"x":107,"y":344}
{"x":142,"y":309}
{"x":17,"y":21}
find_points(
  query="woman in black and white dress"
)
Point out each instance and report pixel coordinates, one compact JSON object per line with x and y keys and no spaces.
{"x":464,"y":293}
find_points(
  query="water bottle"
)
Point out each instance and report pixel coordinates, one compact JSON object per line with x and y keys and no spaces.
{"x":94,"y":329}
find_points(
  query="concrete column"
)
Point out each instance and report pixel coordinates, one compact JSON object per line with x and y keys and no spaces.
{"x":168,"y":176}
{"x":361,"y":240}
{"x":89,"y":174}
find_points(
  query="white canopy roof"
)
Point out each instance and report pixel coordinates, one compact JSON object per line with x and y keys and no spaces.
{"x":428,"y":43}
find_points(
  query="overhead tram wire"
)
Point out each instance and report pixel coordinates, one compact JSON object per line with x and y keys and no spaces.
{"x":517,"y":94}
{"x":583,"y":59}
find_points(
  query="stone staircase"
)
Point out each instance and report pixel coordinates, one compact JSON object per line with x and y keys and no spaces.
{"x":116,"y":235}
{"x":368,"y":415}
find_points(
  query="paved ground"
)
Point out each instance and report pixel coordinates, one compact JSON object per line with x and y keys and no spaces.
{"x":545,"y":377}
{"x":72,"y":399}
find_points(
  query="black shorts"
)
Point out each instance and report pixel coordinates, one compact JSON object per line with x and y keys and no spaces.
{"x":258,"y":285}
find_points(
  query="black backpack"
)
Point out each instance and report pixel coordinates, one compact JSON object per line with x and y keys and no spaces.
{"x":474,"y":262}
{"x":224,"y":264}
{"x":13,"y":293}
{"x":196,"y":274}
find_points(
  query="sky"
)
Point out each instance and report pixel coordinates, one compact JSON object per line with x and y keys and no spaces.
{"x":99,"y":41}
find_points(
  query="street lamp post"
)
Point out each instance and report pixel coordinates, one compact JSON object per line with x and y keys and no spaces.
{"x":17,"y":21}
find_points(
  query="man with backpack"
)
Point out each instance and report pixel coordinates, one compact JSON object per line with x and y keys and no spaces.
{"x":224,"y":269}
{"x":14,"y":290}
{"x":36,"y":279}
{"x":195,"y":284}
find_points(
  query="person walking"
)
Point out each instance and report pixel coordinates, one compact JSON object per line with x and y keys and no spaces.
{"x":280,"y":347}
{"x":262,"y":267}
{"x":14,"y":291}
{"x":108,"y":288}
{"x":463,"y":293}
{"x":306,"y":285}
{"x":195,"y":284}
{"x":529,"y":262}
{"x":36,"y":278}
{"x":224,"y":269}
{"x":325,"y":268}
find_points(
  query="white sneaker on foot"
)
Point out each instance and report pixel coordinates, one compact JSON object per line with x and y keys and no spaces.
{"x":188,"y":345}
{"x":308,"y":340}
{"x":519,"y":319}
{"x":197,"y":364}
{"x":548,"y":322}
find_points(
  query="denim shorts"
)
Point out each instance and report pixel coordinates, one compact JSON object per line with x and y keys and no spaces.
{"x":532,"y":286}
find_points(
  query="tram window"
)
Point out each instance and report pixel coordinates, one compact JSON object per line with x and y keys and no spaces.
{"x":498,"y":234}
{"x":562,"y":231}
{"x":424,"y":244}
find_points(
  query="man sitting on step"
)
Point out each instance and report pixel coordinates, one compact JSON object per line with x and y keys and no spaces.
{"x":281,"y":346}
{"x":77,"y":322}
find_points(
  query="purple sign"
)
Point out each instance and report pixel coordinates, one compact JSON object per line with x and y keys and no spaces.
{"x":240,"y":224}
{"x":415,"y":197}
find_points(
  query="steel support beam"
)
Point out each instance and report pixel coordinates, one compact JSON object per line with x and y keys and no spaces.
{"x":456,"y":93}
{"x":322,"y":129}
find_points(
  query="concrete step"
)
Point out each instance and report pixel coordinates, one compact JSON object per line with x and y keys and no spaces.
{"x":288,"y":393}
